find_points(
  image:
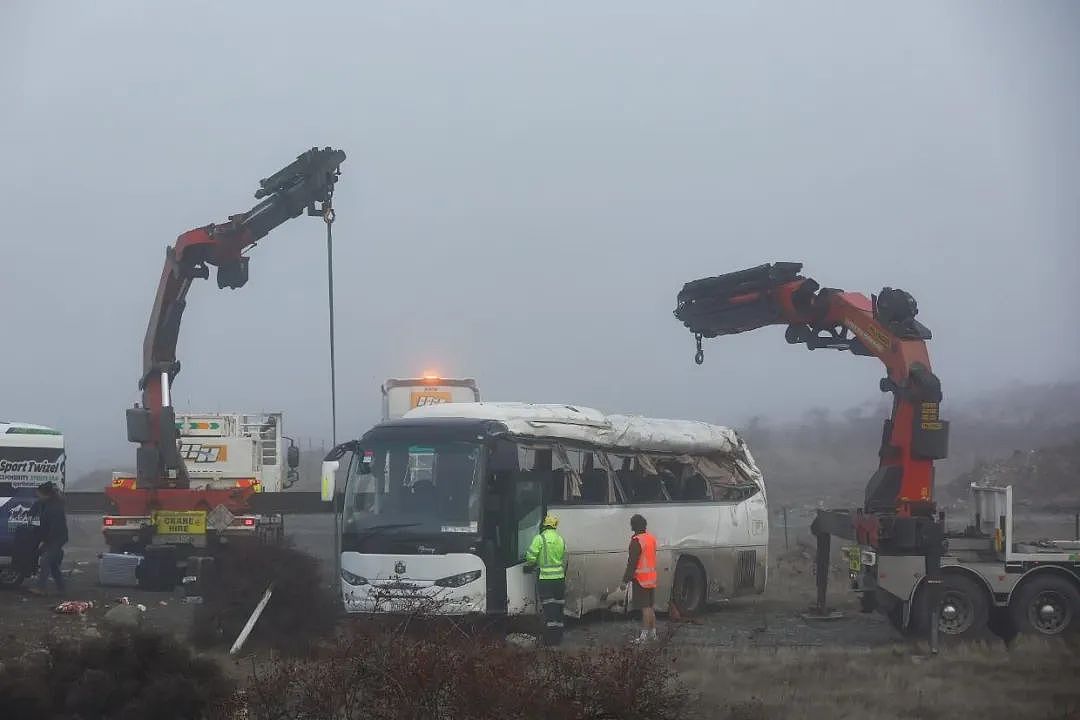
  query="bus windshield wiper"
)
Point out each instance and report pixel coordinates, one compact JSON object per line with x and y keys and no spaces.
{"x":375,"y":529}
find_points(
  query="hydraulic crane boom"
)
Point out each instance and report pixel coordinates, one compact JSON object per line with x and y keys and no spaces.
{"x":883,"y":326}
{"x":306,"y":184}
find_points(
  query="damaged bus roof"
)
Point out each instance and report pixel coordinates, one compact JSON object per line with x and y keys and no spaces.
{"x":592,"y":427}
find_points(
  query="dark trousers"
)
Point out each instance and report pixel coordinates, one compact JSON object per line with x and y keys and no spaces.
{"x":49,"y":564}
{"x":552,"y":601}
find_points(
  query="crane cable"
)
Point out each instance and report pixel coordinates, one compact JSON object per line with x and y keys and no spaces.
{"x":328,"y":218}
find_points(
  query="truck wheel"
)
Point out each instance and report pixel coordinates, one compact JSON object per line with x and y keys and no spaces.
{"x":1046,"y":605}
{"x":688,"y":587}
{"x":964,"y":612}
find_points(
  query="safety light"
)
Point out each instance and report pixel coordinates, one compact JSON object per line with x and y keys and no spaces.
{"x":109,"y":521}
{"x":249,"y":521}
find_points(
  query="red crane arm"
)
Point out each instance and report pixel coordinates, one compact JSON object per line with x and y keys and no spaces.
{"x":301,"y":186}
{"x":883,"y":326}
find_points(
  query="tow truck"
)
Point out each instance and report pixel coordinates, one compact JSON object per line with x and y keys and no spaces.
{"x":902,"y":563}
{"x":168,"y":503}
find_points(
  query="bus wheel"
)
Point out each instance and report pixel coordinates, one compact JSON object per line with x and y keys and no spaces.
{"x":688,"y":588}
{"x":1046,"y":605}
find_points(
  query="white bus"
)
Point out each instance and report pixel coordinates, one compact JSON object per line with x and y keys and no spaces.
{"x":29,"y":456}
{"x":455,"y":534}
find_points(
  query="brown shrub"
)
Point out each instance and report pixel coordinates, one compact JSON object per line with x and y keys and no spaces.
{"x":302,"y":609}
{"x":379,"y":673}
{"x":123,"y":676}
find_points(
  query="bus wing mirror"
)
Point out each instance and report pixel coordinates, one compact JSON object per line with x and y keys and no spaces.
{"x":329,"y":480}
{"x":292,"y":457}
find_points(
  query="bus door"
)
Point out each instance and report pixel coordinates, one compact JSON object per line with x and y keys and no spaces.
{"x":513,"y":512}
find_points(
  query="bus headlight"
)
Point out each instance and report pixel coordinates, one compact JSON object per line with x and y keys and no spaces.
{"x":458,"y":580}
{"x":353,"y":579}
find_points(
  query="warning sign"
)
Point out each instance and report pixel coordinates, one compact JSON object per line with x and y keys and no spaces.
{"x":170,"y":522}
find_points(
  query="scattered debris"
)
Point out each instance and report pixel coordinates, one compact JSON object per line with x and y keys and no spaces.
{"x":817,"y":615}
{"x":74,"y":607}
{"x":521,"y":640}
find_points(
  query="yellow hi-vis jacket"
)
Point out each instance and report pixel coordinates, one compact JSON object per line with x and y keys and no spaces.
{"x":548,"y":553}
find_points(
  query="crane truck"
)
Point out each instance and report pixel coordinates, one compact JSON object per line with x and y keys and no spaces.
{"x":196,"y":475}
{"x":902,"y":563}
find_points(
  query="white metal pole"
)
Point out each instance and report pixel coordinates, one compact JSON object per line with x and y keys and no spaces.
{"x":243,"y":636}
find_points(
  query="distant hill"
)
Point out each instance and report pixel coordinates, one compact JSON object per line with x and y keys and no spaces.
{"x":827,"y":457}
{"x":1043,"y":479}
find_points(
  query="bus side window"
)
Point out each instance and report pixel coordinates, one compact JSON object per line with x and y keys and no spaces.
{"x":569,"y":463}
{"x":556,"y":487}
{"x":644,"y":484}
{"x":594,"y":486}
{"x":671,"y":478}
{"x":696,"y":488}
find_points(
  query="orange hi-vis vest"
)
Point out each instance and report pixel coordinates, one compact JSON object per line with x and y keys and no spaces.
{"x":645,"y":573}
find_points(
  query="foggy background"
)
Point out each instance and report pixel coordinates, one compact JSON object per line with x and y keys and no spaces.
{"x":528,"y":187}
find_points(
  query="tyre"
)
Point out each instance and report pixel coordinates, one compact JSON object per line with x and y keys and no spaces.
{"x":688,"y":587}
{"x":1046,"y":605}
{"x":11,"y":577}
{"x":964,"y":612}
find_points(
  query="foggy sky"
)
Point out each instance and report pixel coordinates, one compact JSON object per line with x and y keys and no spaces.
{"x":528,"y":186}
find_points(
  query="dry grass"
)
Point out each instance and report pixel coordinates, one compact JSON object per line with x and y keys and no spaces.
{"x":1034,"y":679}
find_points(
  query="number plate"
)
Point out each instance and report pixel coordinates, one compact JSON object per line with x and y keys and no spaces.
{"x":180,"y":523}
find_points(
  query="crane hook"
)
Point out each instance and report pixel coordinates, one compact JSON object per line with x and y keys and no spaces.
{"x":699,"y":356}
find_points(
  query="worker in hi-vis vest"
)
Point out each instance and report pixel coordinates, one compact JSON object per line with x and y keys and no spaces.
{"x":547,"y":553}
{"x":641,"y":571}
